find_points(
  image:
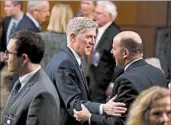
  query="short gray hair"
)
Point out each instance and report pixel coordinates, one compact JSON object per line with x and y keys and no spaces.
{"x":77,"y":24}
{"x":110,"y":7}
{"x":34,"y":4}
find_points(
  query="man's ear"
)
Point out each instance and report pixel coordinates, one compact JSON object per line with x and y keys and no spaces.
{"x":25,"y":58}
{"x":72,"y":37}
{"x":126,"y":53}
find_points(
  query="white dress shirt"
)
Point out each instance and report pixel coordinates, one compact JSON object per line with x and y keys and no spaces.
{"x":75,"y":55}
{"x":126,"y":67}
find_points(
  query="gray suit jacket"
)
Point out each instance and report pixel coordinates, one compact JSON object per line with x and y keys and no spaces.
{"x":37,"y":103}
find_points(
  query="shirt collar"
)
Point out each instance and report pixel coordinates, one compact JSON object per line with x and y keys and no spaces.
{"x":24,"y":79}
{"x":105,"y":26}
{"x":17,"y":20}
{"x":34,"y":20}
{"x":75,"y":55}
{"x":126,"y":67}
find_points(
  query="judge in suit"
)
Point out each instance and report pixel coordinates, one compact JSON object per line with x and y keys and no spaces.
{"x":102,"y":62}
{"x":65,"y":72}
{"x":138,"y":76}
{"x":33,"y":100}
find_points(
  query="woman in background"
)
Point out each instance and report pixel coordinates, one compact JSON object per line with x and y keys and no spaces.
{"x":151,"y":107}
{"x":87,"y":9}
{"x":55,"y":37}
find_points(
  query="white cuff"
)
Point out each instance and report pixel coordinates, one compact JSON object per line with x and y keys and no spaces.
{"x":101,"y":109}
{"x":89,"y":119}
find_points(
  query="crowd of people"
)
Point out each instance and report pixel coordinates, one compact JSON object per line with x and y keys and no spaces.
{"x":81,"y":70}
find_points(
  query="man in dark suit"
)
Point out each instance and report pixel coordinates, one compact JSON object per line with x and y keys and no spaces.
{"x":138,"y":76}
{"x":33,"y":100}
{"x":38,"y":11}
{"x":102,"y":62}
{"x":16,"y":20}
{"x":66,"y":73}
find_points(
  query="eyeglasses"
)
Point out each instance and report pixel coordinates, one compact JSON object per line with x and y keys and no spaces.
{"x":7,"y":52}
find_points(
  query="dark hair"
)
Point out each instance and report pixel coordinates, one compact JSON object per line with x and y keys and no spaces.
{"x":29,"y":43}
{"x":132,"y":45}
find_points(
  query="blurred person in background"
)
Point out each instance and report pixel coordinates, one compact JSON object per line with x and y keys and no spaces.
{"x":101,"y":62}
{"x":87,"y":9}
{"x":1,"y":54}
{"x":151,"y":107}
{"x":55,"y":36}
{"x":38,"y":11}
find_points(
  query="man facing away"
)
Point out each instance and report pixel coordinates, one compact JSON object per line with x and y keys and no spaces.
{"x":66,"y":73}
{"x":33,"y":99}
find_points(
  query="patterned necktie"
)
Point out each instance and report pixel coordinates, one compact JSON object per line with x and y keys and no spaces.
{"x":13,"y":29}
{"x":16,"y":89}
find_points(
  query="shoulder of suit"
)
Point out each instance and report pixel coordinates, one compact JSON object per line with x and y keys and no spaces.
{"x":6,"y":19}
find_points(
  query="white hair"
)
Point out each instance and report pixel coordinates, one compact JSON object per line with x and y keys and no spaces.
{"x":110,"y":7}
{"x":35,"y":4}
{"x":78,"y":24}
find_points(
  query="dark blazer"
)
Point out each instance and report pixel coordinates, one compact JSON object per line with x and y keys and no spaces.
{"x":70,"y":82}
{"x":138,"y":77}
{"x":102,"y":74}
{"x":54,"y":41}
{"x":36,"y":104}
{"x":25,"y":24}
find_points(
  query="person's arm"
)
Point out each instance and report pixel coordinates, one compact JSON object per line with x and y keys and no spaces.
{"x":71,"y":95}
{"x":42,"y":110}
{"x":68,"y":87}
{"x":126,"y":94}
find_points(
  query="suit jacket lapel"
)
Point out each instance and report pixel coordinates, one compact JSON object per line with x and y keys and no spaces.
{"x":25,"y":16}
{"x":78,"y":67}
{"x":24,"y":90}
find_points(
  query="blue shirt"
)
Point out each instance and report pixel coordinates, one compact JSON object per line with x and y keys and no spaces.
{"x":12,"y":21}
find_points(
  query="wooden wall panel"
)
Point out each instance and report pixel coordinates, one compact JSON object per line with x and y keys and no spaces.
{"x":151,"y":13}
{"x":126,"y":12}
{"x":147,"y":34}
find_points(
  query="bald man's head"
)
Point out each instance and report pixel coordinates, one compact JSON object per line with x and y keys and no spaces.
{"x":127,"y":46}
{"x":130,"y":40}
